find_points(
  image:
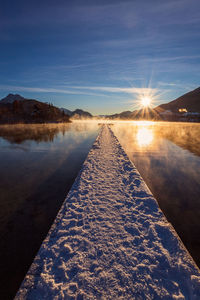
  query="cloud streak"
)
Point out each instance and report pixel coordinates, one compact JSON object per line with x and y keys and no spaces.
{"x":82,"y":90}
{"x":111,"y":89}
{"x":47,"y":90}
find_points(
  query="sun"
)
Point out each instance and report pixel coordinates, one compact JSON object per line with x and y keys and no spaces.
{"x":146,"y":101}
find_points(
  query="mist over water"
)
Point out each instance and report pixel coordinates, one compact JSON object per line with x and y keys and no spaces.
{"x":167,"y":156}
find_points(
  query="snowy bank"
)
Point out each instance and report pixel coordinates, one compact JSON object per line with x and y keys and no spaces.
{"x":110,"y":239}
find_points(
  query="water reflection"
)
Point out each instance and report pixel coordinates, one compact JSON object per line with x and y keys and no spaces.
{"x":144,"y":136}
{"x":17,"y":134}
{"x":184,"y":135}
{"x":167,"y":156}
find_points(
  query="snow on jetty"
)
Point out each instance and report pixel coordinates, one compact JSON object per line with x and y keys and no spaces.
{"x":110,"y":239}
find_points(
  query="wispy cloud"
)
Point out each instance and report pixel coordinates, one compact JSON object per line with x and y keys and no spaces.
{"x":111,"y":89}
{"x":47,"y":90}
{"x":172,"y":58}
{"x":83,"y":90}
{"x":175,"y":85}
{"x":128,"y":14}
{"x":72,"y":66}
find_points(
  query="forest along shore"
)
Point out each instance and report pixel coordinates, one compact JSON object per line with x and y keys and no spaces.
{"x":110,"y":238}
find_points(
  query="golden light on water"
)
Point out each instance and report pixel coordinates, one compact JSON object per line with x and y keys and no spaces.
{"x":144,"y":136}
{"x":146,"y":101}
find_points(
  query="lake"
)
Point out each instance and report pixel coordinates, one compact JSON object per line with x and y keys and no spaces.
{"x":38,"y":165}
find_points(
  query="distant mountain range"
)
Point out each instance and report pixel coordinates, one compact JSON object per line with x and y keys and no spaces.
{"x":77,"y":114}
{"x":144,"y":113}
{"x":189,"y":103}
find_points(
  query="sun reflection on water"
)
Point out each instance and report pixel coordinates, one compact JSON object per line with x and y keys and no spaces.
{"x":144,"y":136}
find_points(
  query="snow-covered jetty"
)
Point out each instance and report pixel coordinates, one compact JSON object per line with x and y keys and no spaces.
{"x":110,"y":239}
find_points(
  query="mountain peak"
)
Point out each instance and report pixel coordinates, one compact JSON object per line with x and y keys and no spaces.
{"x":10,"y":98}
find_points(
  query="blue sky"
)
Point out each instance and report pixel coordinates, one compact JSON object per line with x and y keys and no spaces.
{"x":99,"y":55}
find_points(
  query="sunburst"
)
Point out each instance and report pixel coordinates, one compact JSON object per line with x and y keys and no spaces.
{"x":146,"y":101}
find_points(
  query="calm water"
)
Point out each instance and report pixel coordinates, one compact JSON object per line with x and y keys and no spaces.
{"x":38,"y":165}
{"x":167,"y":156}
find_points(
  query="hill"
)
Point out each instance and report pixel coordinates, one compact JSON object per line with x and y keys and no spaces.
{"x":17,"y":109}
{"x":189,"y":101}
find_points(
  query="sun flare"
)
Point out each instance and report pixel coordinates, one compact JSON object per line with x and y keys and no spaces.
{"x":146,"y":101}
